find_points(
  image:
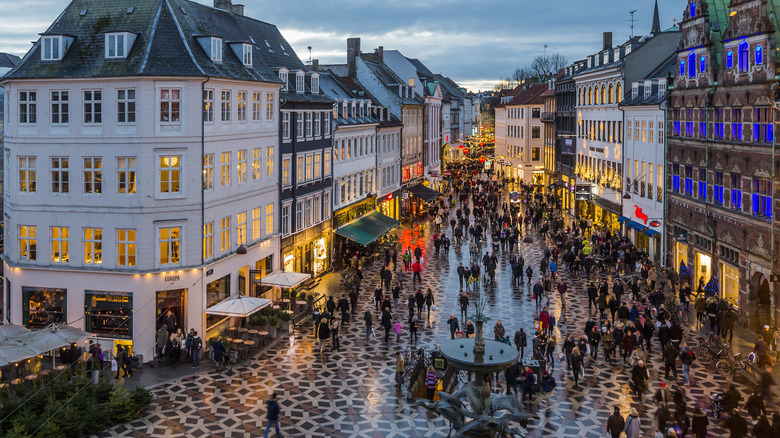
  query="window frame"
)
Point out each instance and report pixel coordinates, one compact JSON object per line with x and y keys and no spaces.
{"x":62,"y":105}
{"x":93,"y":246}
{"x":119,"y":42}
{"x":172,"y":244}
{"x":170,"y":105}
{"x":175,"y":185}
{"x":126,"y":247}
{"x":93,"y":178}
{"x":60,"y":244}
{"x":126,"y":175}
{"x":28,"y":175}
{"x":125,"y":106}
{"x":27,"y":239}
{"x":28,"y":107}
{"x":60,"y":178}
{"x":92,"y":104}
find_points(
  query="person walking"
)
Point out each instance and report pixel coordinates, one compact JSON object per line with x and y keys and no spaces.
{"x":528,"y":384}
{"x":510,"y":375}
{"x":387,"y":323}
{"x":687,"y":356}
{"x":323,"y":332}
{"x":334,"y":334}
{"x":121,"y":361}
{"x":430,"y":382}
{"x":413,"y":337}
{"x":699,"y":423}
{"x":272,"y":415}
{"x":430,"y":302}
{"x":416,"y":269}
{"x":576,"y":365}
{"x":639,"y":376}
{"x":670,"y":361}
{"x":454,"y":326}
{"x":369,"y":320}
{"x":400,"y":367}
{"x":548,"y":386}
{"x":633,"y":424}
{"x":464,"y":306}
{"x":615,"y":423}
{"x":197,"y":344}
{"x":521,"y":341}
{"x":461,"y":273}
{"x":397,"y":328}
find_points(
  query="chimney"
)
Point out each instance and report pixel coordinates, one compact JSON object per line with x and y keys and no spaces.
{"x":225,"y":5}
{"x":607,"y":40}
{"x":238,"y":10}
{"x":380,"y":51}
{"x":353,"y":51}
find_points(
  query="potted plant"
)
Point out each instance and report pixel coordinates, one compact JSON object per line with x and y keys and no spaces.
{"x":293,"y":295}
{"x":262,"y":322}
{"x":285,"y":317}
{"x":273,"y":324}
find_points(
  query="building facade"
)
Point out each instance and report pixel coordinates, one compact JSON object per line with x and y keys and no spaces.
{"x":566,"y":137}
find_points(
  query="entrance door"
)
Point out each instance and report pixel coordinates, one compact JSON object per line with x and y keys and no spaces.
{"x":703,"y":269}
{"x":173,"y":300}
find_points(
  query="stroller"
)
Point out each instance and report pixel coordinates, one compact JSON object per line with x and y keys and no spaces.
{"x":716,"y":404}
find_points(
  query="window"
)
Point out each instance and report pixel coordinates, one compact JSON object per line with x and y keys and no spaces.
{"x":611,"y":93}
{"x":269,"y":106}
{"x":759,"y":55}
{"x":315,"y":84}
{"x":224,"y":233}
{"x":299,"y":175}
{"x":225,"y":102}
{"x":535,"y":154}
{"x":326,"y":204}
{"x":299,"y":215}
{"x":693,"y":10}
{"x":719,"y":123}
{"x":717,"y":191}
{"x":650,"y":132}
{"x":125,"y":105}
{"x":536,"y":113}
{"x":269,"y":219}
{"x":729,"y":59}
{"x":285,"y":125}
{"x":216,"y":49}
{"x":283,"y":76}
{"x":676,"y":177}
{"x":317,"y":166}
{"x":170,"y":245}
{"x":242,"y":106}
{"x":286,"y":219}
{"x":59,"y":245}
{"x":224,"y":169}
{"x":308,"y":119}
{"x":109,"y":313}
{"x":762,"y":197}
{"x":535,"y":132}
{"x":208,"y":171}
{"x":116,"y":45}
{"x":692,"y":65}
{"x":43,"y":306}
{"x":256,"y":224}
{"x":299,"y":116}
{"x":256,"y":105}
{"x":763,"y":128}
{"x":28,"y":107}
{"x":241,"y":227}
{"x":309,"y":170}
{"x":125,"y":247}
{"x":689,"y":180}
{"x":326,"y":121}
{"x":93,"y":246}
{"x":246,"y":54}
{"x":170,"y":174}
{"x":744,"y":57}
{"x":736,"y":125}
{"x":125,"y":169}
{"x":208,"y":240}
{"x":299,"y":82}
{"x":317,"y":124}
{"x":256,"y":163}
{"x":28,"y":243}
{"x":59,"y":107}
{"x":27,"y":174}
{"x":269,"y":161}
{"x":285,"y":171}
{"x":316,"y":210}
{"x":703,"y":184}
{"x":682,"y":67}
{"x":170,"y":105}
{"x":93,"y":175}
{"x":736,"y":191}
{"x":60,"y":175}
{"x":702,"y":123}
{"x":52,"y":48}
{"x":703,"y":64}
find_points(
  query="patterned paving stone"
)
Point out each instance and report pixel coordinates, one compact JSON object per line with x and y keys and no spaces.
{"x":351,"y":393}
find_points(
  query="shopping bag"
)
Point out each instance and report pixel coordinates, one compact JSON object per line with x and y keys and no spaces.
{"x":459,"y":334}
{"x":433,"y":307}
{"x":114,"y":365}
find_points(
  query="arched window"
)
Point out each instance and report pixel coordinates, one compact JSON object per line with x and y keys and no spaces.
{"x":703,"y":64}
{"x":693,"y":10}
{"x":596,"y":95}
{"x":603,"y":94}
{"x":611,"y":93}
{"x":759,"y":55}
{"x":682,"y":67}
{"x":692,"y":65}
{"x":729,"y":59}
{"x":618,"y":94}
{"x":744,"y":60}
{"x":590,"y":95}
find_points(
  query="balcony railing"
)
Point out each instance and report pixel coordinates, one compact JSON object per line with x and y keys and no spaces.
{"x":548,"y":117}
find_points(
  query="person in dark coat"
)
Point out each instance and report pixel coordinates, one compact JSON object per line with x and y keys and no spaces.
{"x":763,"y":429}
{"x":510,"y":374}
{"x":272,"y":415}
{"x":737,"y":425}
{"x":615,"y":423}
{"x":387,"y":323}
{"x":699,"y":423}
{"x":528,"y":384}
{"x":521,"y":341}
{"x":454,"y":326}
{"x":219,"y":352}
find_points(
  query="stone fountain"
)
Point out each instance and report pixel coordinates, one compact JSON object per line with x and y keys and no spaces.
{"x":482,"y":358}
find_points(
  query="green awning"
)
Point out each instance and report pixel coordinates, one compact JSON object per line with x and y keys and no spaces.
{"x":368,"y":228}
{"x":424,"y":193}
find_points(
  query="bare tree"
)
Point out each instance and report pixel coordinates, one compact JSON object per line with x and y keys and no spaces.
{"x":544,"y":67}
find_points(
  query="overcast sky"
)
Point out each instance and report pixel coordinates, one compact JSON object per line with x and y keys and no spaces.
{"x":475,"y":42}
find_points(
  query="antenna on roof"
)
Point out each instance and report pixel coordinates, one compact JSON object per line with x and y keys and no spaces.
{"x":309,"y":47}
{"x":632,"y":20}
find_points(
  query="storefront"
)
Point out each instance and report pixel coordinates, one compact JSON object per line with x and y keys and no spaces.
{"x":43,"y":306}
{"x":216,"y":291}
{"x":307,"y":251}
{"x":357,"y":237}
{"x":680,"y":254}
{"x":729,"y":283}
{"x":703,"y":269}
{"x":174,"y":301}
{"x":108,"y":314}
{"x":388,"y":205}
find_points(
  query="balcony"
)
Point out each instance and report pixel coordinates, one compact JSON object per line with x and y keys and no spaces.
{"x":548,"y":117}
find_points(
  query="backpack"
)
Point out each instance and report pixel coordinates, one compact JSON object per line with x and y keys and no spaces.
{"x":197,"y":343}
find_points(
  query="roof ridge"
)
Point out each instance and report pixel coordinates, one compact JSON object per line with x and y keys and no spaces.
{"x":152,"y":34}
{"x":183,"y":38}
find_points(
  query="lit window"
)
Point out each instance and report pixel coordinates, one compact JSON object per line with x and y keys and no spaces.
{"x":692,"y":65}
{"x":125,"y":105}
{"x":682,"y":68}
{"x":170,"y":246}
{"x":241,"y":227}
{"x":27,"y":175}
{"x":242,"y":106}
{"x":224,"y":234}
{"x":125,"y":169}
{"x":759,"y":55}
{"x":762,"y":197}
{"x":693,"y":10}
{"x":717,"y":192}
{"x":763,"y":129}
{"x":93,"y":246}
{"x":93,"y":175}
{"x":269,"y":106}
{"x":208,"y":240}
{"x":224,"y":169}
{"x":729,"y":59}
{"x":125,"y":247}
{"x":744,"y":57}
{"x":703,"y":64}
{"x":269,"y":219}
{"x":170,"y":174}
{"x":60,"y":175}
{"x":59,"y":107}
{"x":226,"y":98}
{"x":285,"y":171}
{"x":269,"y":161}
{"x":736,"y":125}
{"x":60,"y":247}
{"x":242,"y":166}
{"x":170,"y":104}
{"x":317,"y":165}
{"x":299,"y":178}
{"x":208,"y":171}
{"x":28,"y":243}
{"x":256,"y":105}
{"x":256,"y":224}
{"x":256,"y":163}
{"x":308,"y":167}
{"x":736,"y":191}
{"x":28,"y":107}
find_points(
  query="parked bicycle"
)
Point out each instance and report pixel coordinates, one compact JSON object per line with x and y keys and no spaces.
{"x":731,"y":364}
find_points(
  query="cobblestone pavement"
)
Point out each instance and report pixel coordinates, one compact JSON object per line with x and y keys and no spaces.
{"x":351,"y":393}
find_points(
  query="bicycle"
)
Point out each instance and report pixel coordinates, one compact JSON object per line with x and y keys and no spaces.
{"x":731,"y":364}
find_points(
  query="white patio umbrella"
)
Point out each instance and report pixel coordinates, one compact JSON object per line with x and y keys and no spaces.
{"x":12,"y":331}
{"x":239,"y":306}
{"x":11,"y":352}
{"x":53,"y":337}
{"x":284,"y":279}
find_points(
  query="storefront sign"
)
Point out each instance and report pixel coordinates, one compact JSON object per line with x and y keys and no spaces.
{"x":209,"y":272}
{"x":171,"y":278}
{"x":405,"y":195}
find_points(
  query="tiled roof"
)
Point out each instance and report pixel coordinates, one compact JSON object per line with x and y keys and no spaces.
{"x":421,"y":68}
{"x":8,"y":60}
{"x":336,"y":89}
{"x":531,"y":96}
{"x":165,"y":44}
{"x":391,"y":81}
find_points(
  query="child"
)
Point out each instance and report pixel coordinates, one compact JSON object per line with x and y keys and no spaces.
{"x":397,"y":328}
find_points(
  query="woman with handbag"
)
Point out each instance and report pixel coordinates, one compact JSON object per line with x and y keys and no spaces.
{"x":633,"y":425}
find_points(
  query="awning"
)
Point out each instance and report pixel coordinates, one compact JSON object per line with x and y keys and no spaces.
{"x":650,"y":233}
{"x":622,"y":219}
{"x":238,"y":305}
{"x":635,"y":225}
{"x":368,"y":228}
{"x":52,"y":337}
{"x":284,"y":279}
{"x":423,"y":192}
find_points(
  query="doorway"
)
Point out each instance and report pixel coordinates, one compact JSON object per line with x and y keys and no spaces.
{"x":173,"y":300}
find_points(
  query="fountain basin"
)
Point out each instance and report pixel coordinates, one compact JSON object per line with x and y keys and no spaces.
{"x":498,"y":356}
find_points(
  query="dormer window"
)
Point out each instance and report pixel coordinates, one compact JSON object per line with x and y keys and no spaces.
{"x":315,"y":84}
{"x":54,"y":47}
{"x":634,"y":91}
{"x":648,"y":88}
{"x":283,"y":76}
{"x":300,"y":82}
{"x":246,"y":51}
{"x":216,"y":49}
{"x":661,"y":88}
{"x":118,"y":44}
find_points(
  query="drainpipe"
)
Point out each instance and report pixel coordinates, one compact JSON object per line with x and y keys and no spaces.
{"x":202,"y":157}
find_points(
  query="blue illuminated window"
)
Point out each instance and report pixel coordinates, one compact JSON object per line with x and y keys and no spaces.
{"x":682,"y":68}
{"x":703,"y":64}
{"x":703,"y":184}
{"x":693,"y":10}
{"x":759,"y":55}
{"x":762,"y":197}
{"x":692,"y":65}
{"x":736,"y":125}
{"x":744,"y":59}
{"x":717,"y":192}
{"x":729,"y":60}
{"x":676,"y":177}
{"x":736,"y":192}
{"x":689,"y":181}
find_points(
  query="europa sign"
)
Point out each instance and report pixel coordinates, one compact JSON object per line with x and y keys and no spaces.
{"x":171,"y":278}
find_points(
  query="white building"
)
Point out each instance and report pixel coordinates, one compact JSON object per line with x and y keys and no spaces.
{"x":521,"y":143}
{"x":135,"y":181}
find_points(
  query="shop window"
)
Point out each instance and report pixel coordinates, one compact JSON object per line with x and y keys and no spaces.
{"x":43,"y":306}
{"x":109,"y":313}
{"x":729,"y":287}
{"x":216,"y":291}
